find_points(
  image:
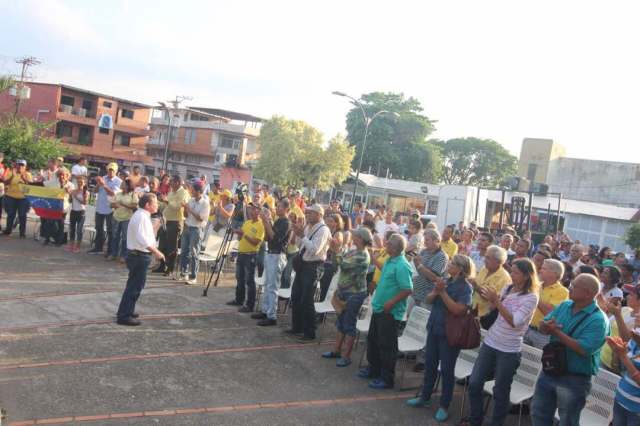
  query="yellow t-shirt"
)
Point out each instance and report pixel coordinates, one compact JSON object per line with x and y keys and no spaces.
{"x":213,"y":200}
{"x":271,"y":202}
{"x":174,"y":210}
{"x":496,"y":281}
{"x":297,"y":211}
{"x":555,"y":294}
{"x":450,"y":247}
{"x":122,"y":213}
{"x":382,"y":257}
{"x":12,"y":184}
{"x":606,"y":353}
{"x":253,"y":229}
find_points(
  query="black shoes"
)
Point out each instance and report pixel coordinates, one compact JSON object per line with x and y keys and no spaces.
{"x":259,"y":316}
{"x":129,"y":321}
{"x":234,"y":303}
{"x":135,"y":315}
{"x":245,"y":310}
{"x":267,"y":322}
{"x":159,"y":270}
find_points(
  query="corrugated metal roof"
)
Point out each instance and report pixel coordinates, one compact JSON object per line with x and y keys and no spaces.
{"x":407,"y":186}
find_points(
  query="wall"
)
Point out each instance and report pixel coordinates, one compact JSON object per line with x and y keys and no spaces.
{"x":43,"y":96}
{"x":598,"y":181}
{"x":539,"y":152}
{"x":456,"y":203}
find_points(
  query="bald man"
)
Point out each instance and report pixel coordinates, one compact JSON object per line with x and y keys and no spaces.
{"x":581,"y":327}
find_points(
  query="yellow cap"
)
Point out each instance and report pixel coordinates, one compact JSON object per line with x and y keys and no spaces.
{"x":227,"y":193}
{"x":113,"y":166}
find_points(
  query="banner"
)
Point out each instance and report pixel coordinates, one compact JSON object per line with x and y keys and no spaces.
{"x":48,"y":203}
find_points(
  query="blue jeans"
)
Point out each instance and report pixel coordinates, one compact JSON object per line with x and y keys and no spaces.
{"x":101,"y":237}
{"x":246,"y":279}
{"x":437,"y":351}
{"x":119,"y":246}
{"x":346,"y":321}
{"x":273,"y":266}
{"x":624,"y":417}
{"x":285,"y":281}
{"x":137,"y":266}
{"x":190,"y":247}
{"x":567,"y":393}
{"x":13,"y":207}
{"x":501,"y":366}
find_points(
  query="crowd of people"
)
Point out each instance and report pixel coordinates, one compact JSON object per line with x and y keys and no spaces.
{"x":578,"y":303}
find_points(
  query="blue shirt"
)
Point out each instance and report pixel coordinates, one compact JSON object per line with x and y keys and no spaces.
{"x":628,"y":391}
{"x":460,"y":291}
{"x":102,"y":203}
{"x":590,"y":335}
{"x":395,"y":277}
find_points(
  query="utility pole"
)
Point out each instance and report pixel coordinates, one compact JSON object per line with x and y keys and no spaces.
{"x":176,"y":105}
{"x":26,"y":62}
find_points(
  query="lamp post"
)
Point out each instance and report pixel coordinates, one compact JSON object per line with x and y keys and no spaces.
{"x":367,"y":122}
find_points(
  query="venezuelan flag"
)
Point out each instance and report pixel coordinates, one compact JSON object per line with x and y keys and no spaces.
{"x":48,"y":203}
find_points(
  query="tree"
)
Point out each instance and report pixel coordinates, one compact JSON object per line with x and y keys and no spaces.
{"x":474,"y":161}
{"x":19,"y":140}
{"x":5,"y":83}
{"x":632,"y":236}
{"x":292,"y":154}
{"x":395,"y":143}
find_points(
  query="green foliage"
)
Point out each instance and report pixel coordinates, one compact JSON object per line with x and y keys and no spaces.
{"x":397,"y":143}
{"x":632,"y":236}
{"x":19,"y":138}
{"x":474,"y":161}
{"x":292,"y":154}
{"x":5,"y":83}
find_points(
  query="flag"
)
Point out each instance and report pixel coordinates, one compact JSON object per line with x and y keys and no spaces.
{"x":48,"y":203}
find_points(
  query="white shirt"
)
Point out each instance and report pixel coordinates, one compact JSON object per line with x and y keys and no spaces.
{"x":77,"y":201}
{"x":78,"y":170}
{"x":140,"y":233}
{"x":383,"y":227}
{"x":315,"y":249}
{"x":614,"y":292}
{"x":49,"y":179}
{"x":501,"y":336}
{"x":201,"y":208}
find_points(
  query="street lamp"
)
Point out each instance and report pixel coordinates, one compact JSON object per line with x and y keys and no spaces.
{"x":367,"y":122}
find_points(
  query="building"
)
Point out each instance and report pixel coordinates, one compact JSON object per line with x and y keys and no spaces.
{"x":203,"y":141}
{"x":101,"y":127}
{"x":608,"y":182}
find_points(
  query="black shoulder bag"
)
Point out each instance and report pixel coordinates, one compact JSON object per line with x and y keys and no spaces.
{"x":296,"y":262}
{"x":554,"y":354}
{"x":487,"y":320}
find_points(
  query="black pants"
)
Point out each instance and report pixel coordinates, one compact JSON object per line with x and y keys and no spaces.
{"x":53,"y":229}
{"x":19,"y":207}
{"x":382,"y":347}
{"x":101,"y":237}
{"x":169,"y":243}
{"x":303,"y":313}
{"x":246,"y":279}
{"x":76,"y":225}
{"x":137,"y":265}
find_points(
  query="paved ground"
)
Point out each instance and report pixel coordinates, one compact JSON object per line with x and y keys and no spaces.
{"x":194,"y":361}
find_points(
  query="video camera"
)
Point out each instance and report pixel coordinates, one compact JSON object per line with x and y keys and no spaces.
{"x":241,"y":191}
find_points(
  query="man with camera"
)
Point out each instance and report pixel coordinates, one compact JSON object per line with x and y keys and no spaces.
{"x":277,"y":237}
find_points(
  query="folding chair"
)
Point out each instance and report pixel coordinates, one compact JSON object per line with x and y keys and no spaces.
{"x":414,"y":336}
{"x":285,"y":293}
{"x":464,"y":367}
{"x":598,"y":410}
{"x":524,"y":381}
{"x":362,"y":326}
{"x":325,"y":307}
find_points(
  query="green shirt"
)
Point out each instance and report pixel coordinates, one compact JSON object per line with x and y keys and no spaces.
{"x":590,"y":335}
{"x":395,"y":277}
{"x":353,"y":270}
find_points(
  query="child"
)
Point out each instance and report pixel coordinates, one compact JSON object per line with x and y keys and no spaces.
{"x":79,"y":198}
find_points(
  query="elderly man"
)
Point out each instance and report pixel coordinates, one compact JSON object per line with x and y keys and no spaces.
{"x":447,"y":244}
{"x":506,"y":241}
{"x":485,"y":239}
{"x":492,"y":275}
{"x":430,"y":264}
{"x":581,"y":327}
{"x":576,"y":253}
{"x":313,"y":240}
{"x":389,"y":304}
{"x":106,"y":186}
{"x":552,"y":293}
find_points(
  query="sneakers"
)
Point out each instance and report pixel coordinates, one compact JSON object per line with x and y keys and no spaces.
{"x":128,"y":321}
{"x":379,"y":384}
{"x":330,"y":354}
{"x":419,"y":402}
{"x":343,"y":362}
{"x":191,"y":281}
{"x":364,"y":373}
{"x":441,"y":415}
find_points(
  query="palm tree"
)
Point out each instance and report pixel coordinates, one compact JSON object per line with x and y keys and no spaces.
{"x":5,"y":83}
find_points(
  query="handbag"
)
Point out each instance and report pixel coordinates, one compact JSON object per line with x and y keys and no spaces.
{"x":554,"y":354}
{"x":463,"y":331}
{"x":338,"y":304}
{"x":487,"y":320}
{"x":296,"y":261}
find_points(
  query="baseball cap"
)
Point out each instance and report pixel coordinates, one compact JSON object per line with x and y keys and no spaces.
{"x":227,"y":193}
{"x":112,"y":166}
{"x":60,"y":159}
{"x":23,"y":162}
{"x":316,"y":208}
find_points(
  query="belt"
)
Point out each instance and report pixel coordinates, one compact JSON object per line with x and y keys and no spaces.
{"x":139,"y":253}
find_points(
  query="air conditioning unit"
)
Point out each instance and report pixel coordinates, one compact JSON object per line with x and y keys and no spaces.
{"x":80,"y":112}
{"x":67,"y":109}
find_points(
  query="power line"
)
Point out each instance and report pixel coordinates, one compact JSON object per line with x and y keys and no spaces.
{"x":26,"y":62}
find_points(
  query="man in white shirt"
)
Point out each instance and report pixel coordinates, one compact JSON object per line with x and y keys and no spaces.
{"x":386,"y":225}
{"x":197,"y":213}
{"x":141,"y":244}
{"x":575,"y":254}
{"x":313,"y":241}
{"x":79,"y":169}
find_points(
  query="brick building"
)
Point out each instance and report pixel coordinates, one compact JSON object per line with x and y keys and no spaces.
{"x":100,"y":127}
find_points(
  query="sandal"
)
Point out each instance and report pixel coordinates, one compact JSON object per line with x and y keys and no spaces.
{"x":330,"y":355}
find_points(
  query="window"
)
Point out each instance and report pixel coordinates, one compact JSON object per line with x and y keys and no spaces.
{"x":191,"y":174}
{"x":104,"y":131}
{"x":64,"y":130}
{"x":84,"y":137}
{"x":125,"y":140}
{"x":88,"y":105}
{"x":127,"y":113}
{"x":196,"y":117}
{"x":149,"y":171}
{"x":107,"y":104}
{"x":189,"y":136}
{"x":531,"y":172}
{"x":432,"y":207}
{"x":67,"y":100}
{"x":229,"y":142}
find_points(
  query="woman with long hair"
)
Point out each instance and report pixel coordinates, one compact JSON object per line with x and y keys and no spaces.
{"x":500,"y":351}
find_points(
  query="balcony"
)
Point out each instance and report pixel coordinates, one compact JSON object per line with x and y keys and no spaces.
{"x":77,"y":115}
{"x":223,"y":127}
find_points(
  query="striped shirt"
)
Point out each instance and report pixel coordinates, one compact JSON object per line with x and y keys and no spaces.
{"x":628,"y":391}
{"x":501,"y":336}
{"x":437,"y":262}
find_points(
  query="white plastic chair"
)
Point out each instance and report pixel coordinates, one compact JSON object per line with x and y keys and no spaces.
{"x":362,"y":326}
{"x":414,"y":336}
{"x":325,"y":307}
{"x":524,"y":381}
{"x":285,"y":293}
{"x":598,"y":410}
{"x":464,"y":368}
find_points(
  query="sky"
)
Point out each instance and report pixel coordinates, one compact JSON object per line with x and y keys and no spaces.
{"x":565,"y":70}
